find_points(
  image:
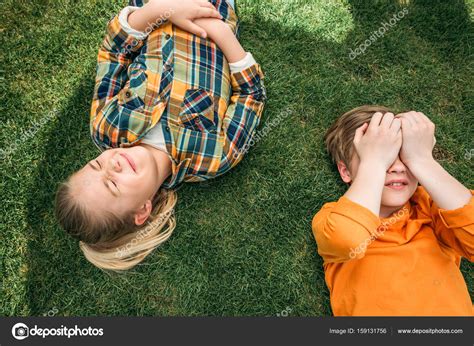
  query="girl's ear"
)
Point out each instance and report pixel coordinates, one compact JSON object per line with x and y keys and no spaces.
{"x":344,"y":172}
{"x":142,"y":214}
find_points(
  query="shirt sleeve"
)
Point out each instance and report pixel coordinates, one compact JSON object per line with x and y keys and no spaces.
{"x":455,"y":228}
{"x":243,"y":64}
{"x":343,"y":230}
{"x":123,"y":20}
{"x":114,"y":103}
{"x":242,"y":115}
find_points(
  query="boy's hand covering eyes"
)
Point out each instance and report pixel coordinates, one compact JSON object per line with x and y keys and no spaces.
{"x":418,"y":137}
{"x":379,"y":142}
{"x":182,"y":13}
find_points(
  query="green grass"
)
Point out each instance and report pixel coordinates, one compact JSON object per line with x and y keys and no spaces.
{"x":243,"y":244}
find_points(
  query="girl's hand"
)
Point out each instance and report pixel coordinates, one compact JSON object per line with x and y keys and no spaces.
{"x":418,"y":138}
{"x":182,"y":13}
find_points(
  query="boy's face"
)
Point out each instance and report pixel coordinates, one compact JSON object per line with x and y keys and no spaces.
{"x":400,"y":184}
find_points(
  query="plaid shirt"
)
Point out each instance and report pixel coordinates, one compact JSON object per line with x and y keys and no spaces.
{"x":181,"y":82}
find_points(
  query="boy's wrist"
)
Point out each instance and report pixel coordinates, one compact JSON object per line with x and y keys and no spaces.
{"x":373,"y":165}
{"x":421,"y":165}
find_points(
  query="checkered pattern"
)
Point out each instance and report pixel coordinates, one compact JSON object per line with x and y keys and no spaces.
{"x":181,"y":82}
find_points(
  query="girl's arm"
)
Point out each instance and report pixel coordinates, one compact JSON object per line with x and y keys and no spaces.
{"x":181,"y":13}
{"x":223,"y":36}
{"x":248,"y":94}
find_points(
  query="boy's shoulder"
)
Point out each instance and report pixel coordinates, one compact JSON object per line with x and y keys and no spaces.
{"x":343,"y":205}
{"x":325,"y":209}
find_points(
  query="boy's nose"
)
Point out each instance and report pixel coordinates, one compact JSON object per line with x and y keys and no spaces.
{"x":397,"y":166}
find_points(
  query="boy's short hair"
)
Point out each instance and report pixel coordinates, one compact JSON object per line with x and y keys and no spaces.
{"x":340,"y":136}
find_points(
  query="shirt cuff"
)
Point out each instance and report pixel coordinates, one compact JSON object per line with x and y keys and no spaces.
{"x":243,"y":64}
{"x":249,"y":82}
{"x":460,"y":217}
{"x":123,"y":20}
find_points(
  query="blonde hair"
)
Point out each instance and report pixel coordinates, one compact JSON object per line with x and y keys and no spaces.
{"x":340,"y":136}
{"x":112,"y":242}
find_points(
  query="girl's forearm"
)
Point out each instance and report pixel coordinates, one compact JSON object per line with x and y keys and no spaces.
{"x":229,"y":45}
{"x":224,"y":37}
{"x":145,"y":16}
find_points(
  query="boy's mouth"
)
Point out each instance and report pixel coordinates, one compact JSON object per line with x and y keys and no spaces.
{"x":397,"y":184}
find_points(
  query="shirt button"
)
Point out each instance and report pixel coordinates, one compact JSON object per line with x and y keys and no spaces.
{"x":168,"y":36}
{"x":128,"y":94}
{"x":168,"y":128}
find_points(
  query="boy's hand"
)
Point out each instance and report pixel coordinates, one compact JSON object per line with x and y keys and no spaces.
{"x":418,"y":138}
{"x":379,"y":142}
{"x":184,"y":12}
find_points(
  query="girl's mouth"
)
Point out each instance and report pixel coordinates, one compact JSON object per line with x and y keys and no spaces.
{"x":130,"y":161}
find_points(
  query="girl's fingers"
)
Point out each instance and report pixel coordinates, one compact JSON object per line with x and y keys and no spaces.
{"x":189,"y":26}
{"x":208,"y":13}
{"x":206,"y":4}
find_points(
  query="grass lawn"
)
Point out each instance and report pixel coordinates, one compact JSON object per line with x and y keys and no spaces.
{"x":243,"y":244}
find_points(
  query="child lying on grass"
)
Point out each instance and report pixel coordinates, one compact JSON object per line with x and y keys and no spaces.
{"x":177,"y":99}
{"x":390,"y":246}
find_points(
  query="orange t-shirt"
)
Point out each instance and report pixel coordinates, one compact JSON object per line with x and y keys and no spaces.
{"x":406,"y":264}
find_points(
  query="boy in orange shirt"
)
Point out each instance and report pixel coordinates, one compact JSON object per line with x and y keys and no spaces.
{"x":391,"y":247}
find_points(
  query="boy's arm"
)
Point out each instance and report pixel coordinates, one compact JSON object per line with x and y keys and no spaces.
{"x":452,"y":209}
{"x":248,"y":92}
{"x":455,"y":228}
{"x":343,"y":230}
{"x":416,"y":154}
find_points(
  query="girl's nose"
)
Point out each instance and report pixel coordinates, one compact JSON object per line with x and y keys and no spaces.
{"x":114,"y":165}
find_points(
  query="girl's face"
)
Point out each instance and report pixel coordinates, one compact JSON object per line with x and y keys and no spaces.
{"x":118,"y":180}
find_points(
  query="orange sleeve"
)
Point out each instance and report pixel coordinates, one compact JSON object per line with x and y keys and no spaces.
{"x":343,"y":230}
{"x":455,"y":228}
